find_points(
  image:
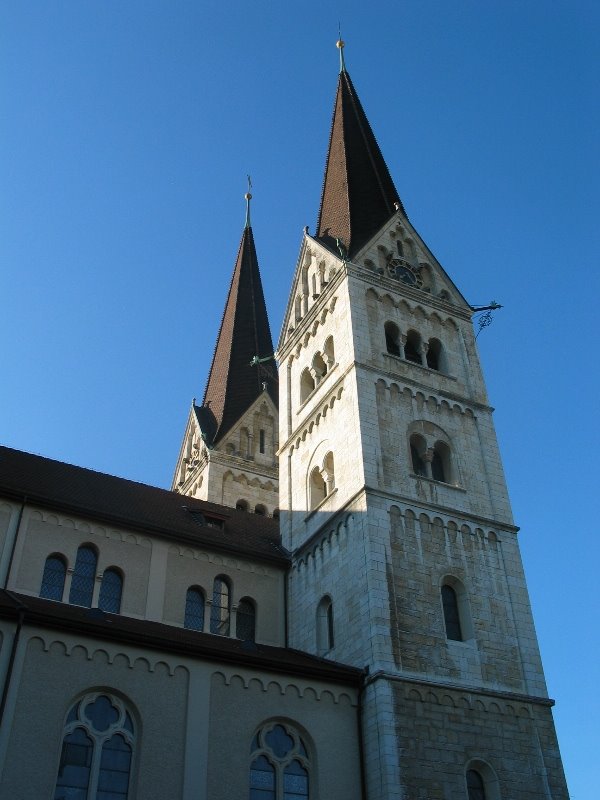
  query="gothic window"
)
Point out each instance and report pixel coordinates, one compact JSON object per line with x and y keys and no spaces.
{"x":194,"y":609}
{"x":441,"y":463}
{"x":279,"y":764}
{"x":245,"y":628}
{"x":434,"y":354}
{"x":53,"y":579}
{"x":95,"y":760}
{"x":319,"y":366}
{"x":220,"y":611}
{"x":475,"y":785}
{"x":412,"y":348}
{"x":325,"y":640}
{"x":110,"y":591}
{"x":307,"y":385}
{"x":417,"y":451}
{"x":451,"y":613}
{"x":329,"y":351}
{"x":84,"y":575}
{"x":318,"y":488}
{"x":392,"y":338}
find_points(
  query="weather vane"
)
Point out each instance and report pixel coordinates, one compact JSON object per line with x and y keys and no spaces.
{"x":264,"y":370}
{"x":486,"y":318}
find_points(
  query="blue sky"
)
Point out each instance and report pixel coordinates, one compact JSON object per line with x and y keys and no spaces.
{"x":127,"y":130}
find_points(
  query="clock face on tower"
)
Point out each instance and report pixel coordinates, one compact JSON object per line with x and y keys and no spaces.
{"x":402,"y":271}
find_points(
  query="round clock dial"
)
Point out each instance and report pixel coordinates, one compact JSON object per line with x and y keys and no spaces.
{"x":404,"y":272}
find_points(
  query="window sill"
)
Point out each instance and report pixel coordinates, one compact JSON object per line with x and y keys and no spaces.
{"x":453,"y":486}
{"x":470,"y":643}
{"x":416,"y":364}
{"x":315,"y":390}
{"x":314,"y":510}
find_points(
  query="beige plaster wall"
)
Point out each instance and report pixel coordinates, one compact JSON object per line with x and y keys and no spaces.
{"x":264,"y":584}
{"x":325,"y":717}
{"x":52,"y":680}
{"x":44,"y":533}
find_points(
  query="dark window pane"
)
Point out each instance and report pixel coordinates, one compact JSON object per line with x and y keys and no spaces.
{"x":437,"y":468}
{"x":110,"y":592}
{"x":53,"y":579}
{"x":194,"y":610}
{"x":262,"y":780}
{"x":113,"y":778}
{"x":246,"y":621}
{"x":219,"y":613}
{"x":295,"y":781}
{"x":279,"y":741}
{"x":417,"y":462}
{"x":101,"y":713}
{"x":451,"y":615}
{"x":475,"y":785}
{"x":82,"y":583}
{"x":74,"y":769}
{"x":330,"y":625}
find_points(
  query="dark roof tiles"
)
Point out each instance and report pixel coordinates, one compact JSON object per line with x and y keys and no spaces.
{"x":172,"y":639}
{"x":359,"y":196}
{"x":136,"y":506}
{"x":233,"y":382}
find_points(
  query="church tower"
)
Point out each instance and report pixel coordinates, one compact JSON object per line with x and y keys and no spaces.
{"x":228,"y":454}
{"x":394,"y":503}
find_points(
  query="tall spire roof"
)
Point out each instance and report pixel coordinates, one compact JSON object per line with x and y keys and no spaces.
{"x":359,"y":196}
{"x":234,"y":382}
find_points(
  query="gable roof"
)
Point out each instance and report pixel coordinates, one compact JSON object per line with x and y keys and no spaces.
{"x":234,"y":383}
{"x":137,"y":506}
{"x":358,"y":196}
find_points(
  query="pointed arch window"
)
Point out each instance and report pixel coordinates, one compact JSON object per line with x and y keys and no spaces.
{"x":245,"y":627}
{"x":84,"y":575}
{"x":307,"y":385}
{"x":451,"y":613}
{"x":325,"y":639}
{"x":111,"y":590}
{"x":97,"y":749}
{"x":194,"y":609}
{"x":441,"y":463}
{"x":434,"y":354}
{"x":279,"y":765}
{"x":53,"y":579}
{"x":392,"y":338}
{"x":418,"y":447}
{"x":412,"y":348}
{"x":220,"y":612}
{"x":475,"y":785}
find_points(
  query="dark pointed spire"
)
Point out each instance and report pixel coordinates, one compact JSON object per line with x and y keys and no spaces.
{"x":359,"y":196}
{"x":235,"y":379}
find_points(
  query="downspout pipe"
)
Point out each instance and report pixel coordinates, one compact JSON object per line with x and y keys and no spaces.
{"x":361,"y":743}
{"x":11,"y":661}
{"x":14,"y":541}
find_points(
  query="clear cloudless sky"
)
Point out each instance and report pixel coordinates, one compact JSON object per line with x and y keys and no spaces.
{"x":127,"y":130}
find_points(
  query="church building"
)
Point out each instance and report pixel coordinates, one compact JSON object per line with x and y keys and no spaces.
{"x":329,"y":603}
